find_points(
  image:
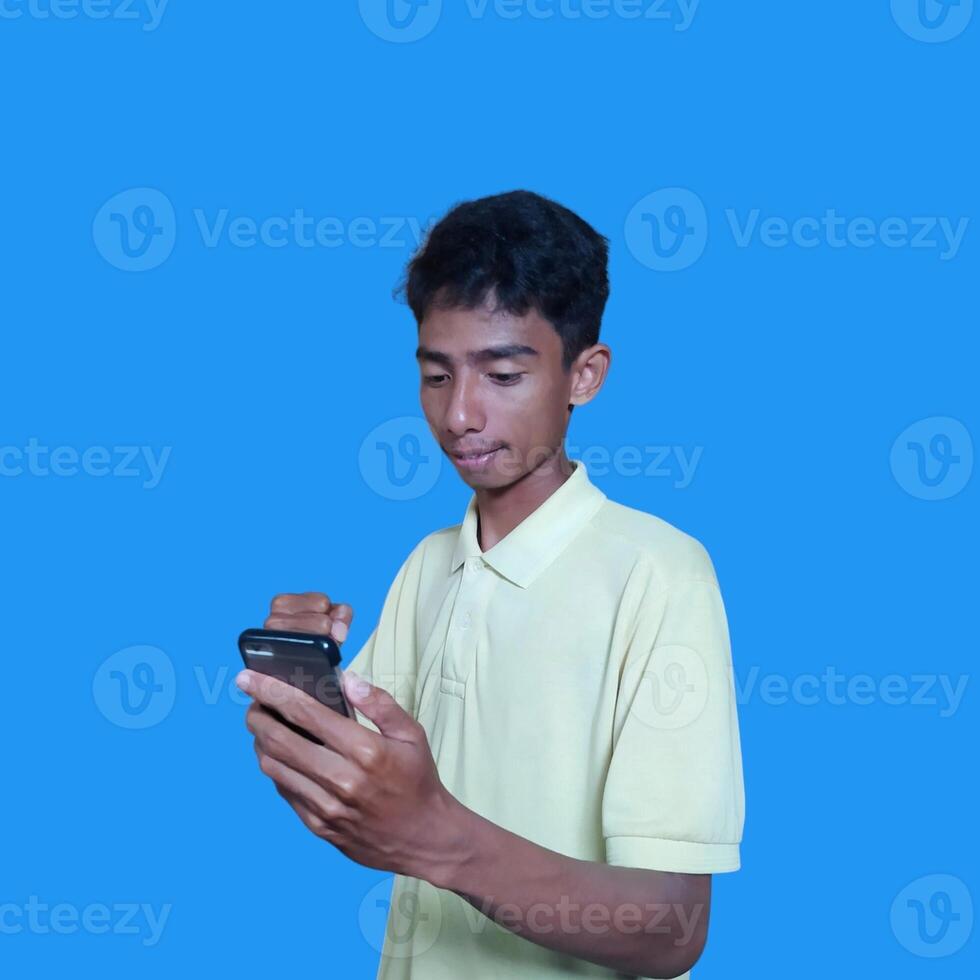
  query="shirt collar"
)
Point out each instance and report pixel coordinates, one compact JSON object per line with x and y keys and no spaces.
{"x":531,"y":546}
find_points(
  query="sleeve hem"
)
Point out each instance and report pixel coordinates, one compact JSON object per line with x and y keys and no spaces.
{"x":660,"y":854}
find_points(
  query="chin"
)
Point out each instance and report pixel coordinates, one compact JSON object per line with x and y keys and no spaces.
{"x":484,"y":479}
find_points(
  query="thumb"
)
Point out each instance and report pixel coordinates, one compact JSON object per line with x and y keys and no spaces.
{"x":380,"y":707}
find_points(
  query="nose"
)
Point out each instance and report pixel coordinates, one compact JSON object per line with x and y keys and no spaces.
{"x":464,"y":411}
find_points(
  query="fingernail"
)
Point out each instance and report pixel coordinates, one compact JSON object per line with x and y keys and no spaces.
{"x":339,"y":630}
{"x":356,"y":685}
{"x":244,"y":680}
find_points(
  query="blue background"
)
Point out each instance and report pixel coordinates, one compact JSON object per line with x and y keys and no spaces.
{"x":265,"y":370}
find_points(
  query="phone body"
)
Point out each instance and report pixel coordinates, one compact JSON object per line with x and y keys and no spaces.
{"x":307,"y":661}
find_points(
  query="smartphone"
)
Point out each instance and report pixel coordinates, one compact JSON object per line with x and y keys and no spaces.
{"x":307,"y":661}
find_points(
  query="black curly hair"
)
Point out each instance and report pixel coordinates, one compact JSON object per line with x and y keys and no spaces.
{"x":521,"y":251}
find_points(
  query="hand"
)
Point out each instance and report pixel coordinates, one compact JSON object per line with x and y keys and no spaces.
{"x":376,"y":796}
{"x":310,"y":612}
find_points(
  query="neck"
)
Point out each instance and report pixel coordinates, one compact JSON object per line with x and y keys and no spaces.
{"x":501,"y":509}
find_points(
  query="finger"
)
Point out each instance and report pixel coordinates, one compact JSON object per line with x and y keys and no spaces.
{"x":331,"y":772}
{"x":300,"y":623}
{"x":342,"y":615}
{"x":277,"y":740}
{"x":301,"y":808}
{"x":316,"y":824}
{"x":314,"y":798}
{"x":290,"y":602}
{"x":346,"y":737}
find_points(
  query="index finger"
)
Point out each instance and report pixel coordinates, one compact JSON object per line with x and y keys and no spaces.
{"x":290,"y":602}
{"x":345,"y":736}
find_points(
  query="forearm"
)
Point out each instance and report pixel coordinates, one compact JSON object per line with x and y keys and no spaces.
{"x":641,"y":923}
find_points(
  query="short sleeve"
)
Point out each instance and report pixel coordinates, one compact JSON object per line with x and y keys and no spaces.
{"x":388,"y":658}
{"x":673,"y":797}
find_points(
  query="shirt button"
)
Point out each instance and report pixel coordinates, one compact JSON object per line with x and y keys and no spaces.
{"x":466,"y":622}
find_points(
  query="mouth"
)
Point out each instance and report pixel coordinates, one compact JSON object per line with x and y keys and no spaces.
{"x":474,"y":461}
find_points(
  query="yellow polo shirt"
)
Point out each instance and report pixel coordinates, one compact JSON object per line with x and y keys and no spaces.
{"x":575,"y":682}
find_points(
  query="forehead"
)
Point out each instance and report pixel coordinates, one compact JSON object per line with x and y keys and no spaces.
{"x":468,"y":334}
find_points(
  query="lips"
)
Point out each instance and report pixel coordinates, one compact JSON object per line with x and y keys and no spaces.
{"x":479,"y":462}
{"x":475,"y":453}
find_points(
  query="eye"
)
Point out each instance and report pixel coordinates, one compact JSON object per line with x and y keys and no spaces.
{"x":434,"y":379}
{"x":505,"y":379}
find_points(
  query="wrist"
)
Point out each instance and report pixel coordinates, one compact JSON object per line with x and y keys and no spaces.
{"x":457,"y":829}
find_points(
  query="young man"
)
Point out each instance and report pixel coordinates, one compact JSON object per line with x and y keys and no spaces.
{"x":547,"y":756}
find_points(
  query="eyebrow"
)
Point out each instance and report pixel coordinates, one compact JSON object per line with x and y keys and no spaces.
{"x":499,"y":353}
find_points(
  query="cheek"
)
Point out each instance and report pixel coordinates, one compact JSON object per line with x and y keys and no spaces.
{"x":428,"y":399}
{"x":537,"y":412}
{"x":544,"y":401}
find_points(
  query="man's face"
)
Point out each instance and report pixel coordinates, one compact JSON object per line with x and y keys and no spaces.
{"x":493,"y":384}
